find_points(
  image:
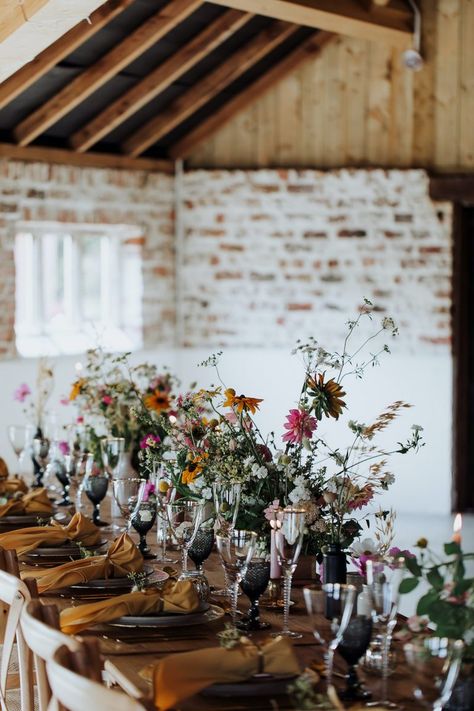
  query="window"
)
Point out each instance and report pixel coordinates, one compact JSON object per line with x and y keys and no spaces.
{"x":77,"y":287}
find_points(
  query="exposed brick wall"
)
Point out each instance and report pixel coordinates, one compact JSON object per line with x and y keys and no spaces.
{"x":37,"y":191}
{"x":268,"y":256}
{"x":275,"y":255}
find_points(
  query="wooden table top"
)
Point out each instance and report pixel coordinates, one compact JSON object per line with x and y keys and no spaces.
{"x":131,"y":657}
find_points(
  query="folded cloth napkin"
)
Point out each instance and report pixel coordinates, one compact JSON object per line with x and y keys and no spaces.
{"x":122,"y":558}
{"x":34,"y":502}
{"x":24,"y":540}
{"x":11,"y":486}
{"x":179,"y":676}
{"x":176,"y":597}
{"x":3,"y":469}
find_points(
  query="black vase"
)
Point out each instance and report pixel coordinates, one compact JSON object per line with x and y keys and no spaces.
{"x":334,"y":565}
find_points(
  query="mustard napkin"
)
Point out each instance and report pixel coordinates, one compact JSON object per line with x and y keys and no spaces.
{"x":35,"y":502}
{"x":175,"y":597}
{"x":122,"y":558}
{"x":24,"y":540}
{"x":12,"y":486}
{"x":3,"y":469}
{"x":179,"y":676}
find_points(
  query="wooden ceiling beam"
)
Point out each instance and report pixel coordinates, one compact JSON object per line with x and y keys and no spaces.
{"x":159,"y":79}
{"x":135,"y":44}
{"x":307,"y":50}
{"x":392,"y":24}
{"x":14,"y":15}
{"x":208,"y":87}
{"x":83,"y":160}
{"x":50,"y":57}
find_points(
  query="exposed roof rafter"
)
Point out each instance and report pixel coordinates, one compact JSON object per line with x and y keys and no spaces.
{"x":159,"y":79}
{"x":212,"y":84}
{"x":108,"y":66}
{"x":392,"y":24}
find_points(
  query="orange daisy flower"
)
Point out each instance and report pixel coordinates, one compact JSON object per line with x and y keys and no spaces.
{"x":157,"y":401}
{"x":241,"y":403}
{"x":76,"y":389}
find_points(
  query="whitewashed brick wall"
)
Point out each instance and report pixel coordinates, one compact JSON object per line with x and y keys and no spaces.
{"x":275,"y":255}
{"x":37,"y":191}
{"x":268,"y":256}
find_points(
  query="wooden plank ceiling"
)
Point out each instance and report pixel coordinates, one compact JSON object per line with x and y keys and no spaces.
{"x":147,"y":80}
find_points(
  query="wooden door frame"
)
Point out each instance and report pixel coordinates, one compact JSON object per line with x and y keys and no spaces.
{"x":459,"y":189}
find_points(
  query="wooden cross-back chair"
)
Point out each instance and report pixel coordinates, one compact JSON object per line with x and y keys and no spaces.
{"x":40,"y":628}
{"x":75,"y":677}
{"x":14,"y":673}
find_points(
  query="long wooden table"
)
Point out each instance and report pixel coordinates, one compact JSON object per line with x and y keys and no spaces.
{"x":130,"y":651}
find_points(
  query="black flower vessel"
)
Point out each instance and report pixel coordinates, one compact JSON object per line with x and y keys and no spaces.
{"x":254,"y":585}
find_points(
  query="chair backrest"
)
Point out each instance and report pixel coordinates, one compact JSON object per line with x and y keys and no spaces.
{"x":68,"y":674}
{"x":40,"y":628}
{"x":14,"y":594}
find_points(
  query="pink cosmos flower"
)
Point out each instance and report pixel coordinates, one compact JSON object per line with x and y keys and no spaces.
{"x":21,"y":393}
{"x":299,"y":424}
{"x":148,"y":491}
{"x":63,"y":447}
{"x":107,"y":400}
{"x":396,"y":552}
{"x":149,"y":440}
{"x":80,"y":420}
{"x":64,"y":401}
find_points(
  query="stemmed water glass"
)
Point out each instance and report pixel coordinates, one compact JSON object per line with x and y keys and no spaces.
{"x":201,"y":547}
{"x":125,"y":492}
{"x":226,"y":504}
{"x":352,"y":647}
{"x":254,"y":585}
{"x":18,"y":437}
{"x":236,"y":550}
{"x":289,"y":532}
{"x":383,"y":579}
{"x":339,"y":599}
{"x":95,"y":485}
{"x":184,"y":518}
{"x":165,"y":494}
{"x":112,"y":450}
{"x":435,"y":663}
{"x":40,"y":453}
{"x":143,"y":517}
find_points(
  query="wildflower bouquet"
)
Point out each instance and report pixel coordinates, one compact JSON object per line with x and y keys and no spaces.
{"x":107,"y":392}
{"x":34,"y":406}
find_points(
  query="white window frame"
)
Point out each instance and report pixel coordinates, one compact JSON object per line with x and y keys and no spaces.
{"x":119,"y":249}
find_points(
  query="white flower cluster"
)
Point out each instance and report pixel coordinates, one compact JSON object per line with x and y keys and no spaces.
{"x":299,"y":492}
{"x":256,"y":470}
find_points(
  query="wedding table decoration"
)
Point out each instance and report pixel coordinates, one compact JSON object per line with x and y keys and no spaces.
{"x":35,"y":502}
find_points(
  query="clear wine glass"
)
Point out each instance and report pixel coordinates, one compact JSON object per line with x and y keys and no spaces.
{"x":435,"y":663}
{"x":226,"y":505}
{"x":289,"y":532}
{"x":18,"y":436}
{"x":125,"y":492}
{"x":96,"y":483}
{"x":143,"y":517}
{"x":383,"y":580}
{"x":339,"y":600}
{"x":112,"y":450}
{"x":41,"y":447}
{"x":184,"y":518}
{"x":236,"y":551}
{"x":165,"y":494}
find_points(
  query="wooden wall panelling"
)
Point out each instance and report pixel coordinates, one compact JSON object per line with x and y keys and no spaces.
{"x":447,"y":82}
{"x":466,"y":98}
{"x":356,"y":63}
{"x":423,"y":148}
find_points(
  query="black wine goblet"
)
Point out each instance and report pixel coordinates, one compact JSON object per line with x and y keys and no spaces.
{"x":201,"y":547}
{"x":142,"y":519}
{"x":254,"y":585}
{"x":62,"y":475}
{"x":352,"y":647}
{"x":96,"y":484}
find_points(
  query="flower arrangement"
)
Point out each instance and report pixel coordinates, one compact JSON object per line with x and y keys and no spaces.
{"x":448,"y":600}
{"x":215,"y":438}
{"x":107,"y":392}
{"x":34,"y":406}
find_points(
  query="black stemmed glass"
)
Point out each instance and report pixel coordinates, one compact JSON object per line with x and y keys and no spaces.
{"x":353,"y":645}
{"x":254,"y":585}
{"x":62,"y":471}
{"x":40,"y":455}
{"x":142,"y":519}
{"x":95,"y":486}
{"x":201,"y":547}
